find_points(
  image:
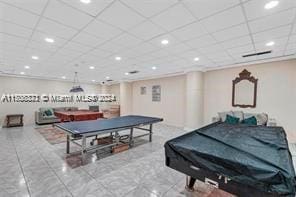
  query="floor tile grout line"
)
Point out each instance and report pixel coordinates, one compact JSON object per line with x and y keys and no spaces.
{"x":51,"y":168}
{"x":80,"y":168}
{"x":20,"y":165}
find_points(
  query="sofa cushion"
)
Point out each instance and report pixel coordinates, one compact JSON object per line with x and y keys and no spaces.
{"x":238,"y":114}
{"x":222,"y":115}
{"x":48,"y":112}
{"x":262,"y":119}
{"x":231,"y":119}
{"x":250,"y":121}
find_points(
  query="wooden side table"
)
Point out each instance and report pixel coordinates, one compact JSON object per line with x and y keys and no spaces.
{"x":14,"y":120}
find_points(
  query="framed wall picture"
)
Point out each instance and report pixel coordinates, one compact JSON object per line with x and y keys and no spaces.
{"x":156,"y":93}
{"x":143,"y":90}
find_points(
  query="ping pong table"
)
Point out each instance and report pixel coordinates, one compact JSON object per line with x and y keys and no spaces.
{"x":82,"y":130}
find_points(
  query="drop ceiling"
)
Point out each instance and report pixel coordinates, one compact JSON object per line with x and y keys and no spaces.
{"x":92,"y":36}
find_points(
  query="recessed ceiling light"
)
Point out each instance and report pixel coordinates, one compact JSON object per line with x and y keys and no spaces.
{"x":35,"y":57}
{"x":154,"y":68}
{"x":164,"y":42}
{"x":118,"y":58}
{"x":271,"y":5}
{"x":50,"y":40}
{"x":22,"y":73}
{"x":269,"y":44}
{"x":85,"y":1}
{"x":27,"y":67}
{"x":93,"y":80}
{"x":126,"y":73}
{"x":91,"y":67}
{"x":196,"y":59}
{"x":107,"y":77}
{"x":63,"y":77}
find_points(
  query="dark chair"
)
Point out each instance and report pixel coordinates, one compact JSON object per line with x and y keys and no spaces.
{"x":94,"y":108}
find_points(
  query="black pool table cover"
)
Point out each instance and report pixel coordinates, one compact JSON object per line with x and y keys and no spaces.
{"x":257,"y":156}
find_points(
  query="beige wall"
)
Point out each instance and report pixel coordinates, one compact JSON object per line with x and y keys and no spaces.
{"x":115,"y":89}
{"x":172,"y":104}
{"x":10,"y":85}
{"x":276,"y":91}
{"x":276,"y":94}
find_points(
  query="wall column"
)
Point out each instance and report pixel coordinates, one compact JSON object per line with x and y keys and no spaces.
{"x":125,"y":98}
{"x":104,"y":89}
{"x":194,"y":100}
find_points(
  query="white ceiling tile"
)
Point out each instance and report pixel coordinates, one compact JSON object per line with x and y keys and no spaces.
{"x":201,"y":42}
{"x":157,"y":40}
{"x":127,"y":40}
{"x":212,"y":49}
{"x":158,"y":53}
{"x":190,"y":55}
{"x":292,"y":39}
{"x":245,"y":59}
{"x":291,"y":46}
{"x":15,"y":40}
{"x":280,"y":43}
{"x":176,"y":49}
{"x":56,"y":11}
{"x":68,"y":52}
{"x":202,"y":8}
{"x":190,"y":31}
{"x":269,"y":35}
{"x":150,"y":8}
{"x":237,"y":42}
{"x":294,"y":28}
{"x":111,"y":47}
{"x":276,"y":20}
{"x":219,"y":57}
{"x":290,"y":52}
{"x":40,"y":37}
{"x":35,"y":6}
{"x":13,"y":29}
{"x":233,"y":32}
{"x":87,"y":39}
{"x":121,"y":16}
{"x":17,"y":16}
{"x":100,"y":53}
{"x":255,"y":8}
{"x":74,"y":46}
{"x":119,"y":32}
{"x":93,"y":8}
{"x":52,"y":28}
{"x":174,"y":17}
{"x":41,"y":47}
{"x":146,"y":30}
{"x":102,"y":29}
{"x":143,"y":49}
{"x":242,"y":50}
{"x":228,"y":18}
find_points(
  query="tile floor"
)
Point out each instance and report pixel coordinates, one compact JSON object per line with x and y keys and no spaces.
{"x":30,"y":166}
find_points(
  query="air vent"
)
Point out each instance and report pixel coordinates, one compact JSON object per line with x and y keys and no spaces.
{"x":134,"y":72}
{"x":257,"y":54}
{"x":109,"y":80}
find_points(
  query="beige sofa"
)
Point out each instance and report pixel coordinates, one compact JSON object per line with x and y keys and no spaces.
{"x":42,"y":118}
{"x":262,"y":118}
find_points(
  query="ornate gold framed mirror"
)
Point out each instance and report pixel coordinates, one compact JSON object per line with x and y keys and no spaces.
{"x":244,"y":90}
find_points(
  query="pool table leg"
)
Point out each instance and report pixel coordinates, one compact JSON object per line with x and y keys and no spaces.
{"x":68,"y":145}
{"x":131,"y":142}
{"x":190,"y":185}
{"x":150,"y":133}
{"x":83,"y":151}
